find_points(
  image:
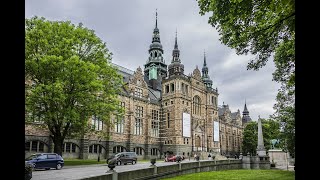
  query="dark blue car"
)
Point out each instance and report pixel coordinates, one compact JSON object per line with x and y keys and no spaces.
{"x":45,"y":161}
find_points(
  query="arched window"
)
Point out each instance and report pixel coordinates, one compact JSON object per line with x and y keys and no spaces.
{"x":154,"y":152}
{"x":36,"y":146}
{"x":155,"y":54}
{"x":118,"y":149}
{"x":95,"y":148}
{"x":139,"y":151}
{"x":196,"y":105}
{"x":69,"y":147}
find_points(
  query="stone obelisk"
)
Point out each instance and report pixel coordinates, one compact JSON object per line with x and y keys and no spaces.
{"x":261,"y":151}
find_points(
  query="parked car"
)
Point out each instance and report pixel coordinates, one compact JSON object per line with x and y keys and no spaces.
{"x":124,"y":158}
{"x":27,"y":171}
{"x":109,"y":158}
{"x":45,"y":161}
{"x":173,"y":158}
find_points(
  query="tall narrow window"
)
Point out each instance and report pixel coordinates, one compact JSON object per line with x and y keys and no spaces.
{"x":167,"y":88}
{"x":138,"y":124}
{"x":119,"y":124}
{"x":155,"y":123}
{"x":168,"y":119}
{"x":196,"y":105}
{"x":96,"y":123}
{"x":186,"y":89}
{"x":172,"y":87}
{"x":182,"y":88}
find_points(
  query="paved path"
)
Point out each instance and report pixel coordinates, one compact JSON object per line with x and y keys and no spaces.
{"x":79,"y":172}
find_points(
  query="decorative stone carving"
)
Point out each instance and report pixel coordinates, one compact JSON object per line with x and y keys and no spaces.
{"x":196,"y":74}
{"x":137,"y":79}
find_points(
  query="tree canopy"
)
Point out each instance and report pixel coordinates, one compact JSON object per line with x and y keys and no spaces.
{"x":270,"y":130}
{"x":69,"y":78}
{"x":266,"y":29}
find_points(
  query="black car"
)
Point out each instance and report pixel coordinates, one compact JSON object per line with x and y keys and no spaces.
{"x":45,"y":161}
{"x":124,"y":158}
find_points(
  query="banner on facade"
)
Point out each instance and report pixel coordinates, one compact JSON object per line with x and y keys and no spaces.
{"x":215,"y":131}
{"x":186,"y":127}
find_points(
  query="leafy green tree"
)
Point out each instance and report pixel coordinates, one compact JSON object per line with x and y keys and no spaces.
{"x":270,"y":130}
{"x":69,"y":78}
{"x":250,"y":140}
{"x":266,"y":29}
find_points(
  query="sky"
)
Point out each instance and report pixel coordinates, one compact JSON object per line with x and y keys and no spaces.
{"x":127,"y":25}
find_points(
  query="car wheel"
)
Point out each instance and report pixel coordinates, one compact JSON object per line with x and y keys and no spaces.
{"x":134,"y":162}
{"x":58,"y":167}
{"x":119,"y":163}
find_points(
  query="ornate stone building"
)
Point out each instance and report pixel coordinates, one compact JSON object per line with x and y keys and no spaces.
{"x":231,"y":129}
{"x":165,"y":110}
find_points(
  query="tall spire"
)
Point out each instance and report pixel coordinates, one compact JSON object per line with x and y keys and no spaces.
{"x":204,"y":59}
{"x":156,"y":18}
{"x":205,"y":73}
{"x":176,"y":68}
{"x":155,"y":59}
{"x":176,"y":51}
{"x":245,"y":110}
{"x":176,"y":43}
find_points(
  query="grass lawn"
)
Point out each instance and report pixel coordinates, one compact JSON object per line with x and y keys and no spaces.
{"x":241,"y":174}
{"x":77,"y":162}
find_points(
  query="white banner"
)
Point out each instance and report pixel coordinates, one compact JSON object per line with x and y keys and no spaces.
{"x":215,"y":131}
{"x":186,"y":128}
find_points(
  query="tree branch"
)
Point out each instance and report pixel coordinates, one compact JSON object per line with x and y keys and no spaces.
{"x":271,"y":26}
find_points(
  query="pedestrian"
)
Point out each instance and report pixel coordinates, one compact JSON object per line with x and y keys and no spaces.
{"x":235,"y":156}
{"x":195,"y":156}
{"x":209,"y":157}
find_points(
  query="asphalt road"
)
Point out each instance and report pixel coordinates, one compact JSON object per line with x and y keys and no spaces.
{"x":79,"y":172}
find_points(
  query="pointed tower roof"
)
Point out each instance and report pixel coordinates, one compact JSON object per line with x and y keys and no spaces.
{"x":176,"y":42}
{"x":205,"y":73}
{"x":155,"y":63}
{"x":245,"y":110}
{"x":156,"y":27}
{"x":176,"y":67}
{"x":245,"y":114}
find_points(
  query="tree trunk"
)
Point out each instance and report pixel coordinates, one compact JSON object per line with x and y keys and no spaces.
{"x":58,"y":144}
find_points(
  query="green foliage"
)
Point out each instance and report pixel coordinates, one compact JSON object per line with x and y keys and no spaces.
{"x":69,"y":78}
{"x":250,"y":138}
{"x":270,"y":130}
{"x":242,"y":174}
{"x":264,"y":28}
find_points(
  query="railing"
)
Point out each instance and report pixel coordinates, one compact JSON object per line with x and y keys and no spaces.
{"x":156,"y":172}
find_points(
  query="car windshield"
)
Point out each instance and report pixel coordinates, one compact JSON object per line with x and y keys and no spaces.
{"x":32,"y":157}
{"x":118,"y":155}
